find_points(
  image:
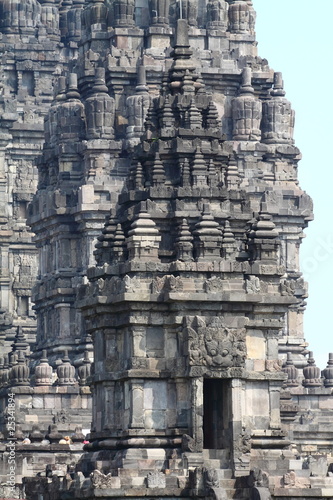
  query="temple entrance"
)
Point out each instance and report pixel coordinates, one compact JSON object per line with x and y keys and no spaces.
{"x":215,"y":413}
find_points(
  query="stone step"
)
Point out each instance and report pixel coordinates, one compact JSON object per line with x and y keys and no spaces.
{"x":224,"y":473}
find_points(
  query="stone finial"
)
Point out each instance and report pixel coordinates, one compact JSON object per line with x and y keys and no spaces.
{"x":328,"y":372}
{"x":74,"y":21}
{"x":188,"y":9}
{"x":143,"y":238}
{"x":53,"y":434}
{"x":229,"y":244}
{"x":20,"y":342}
{"x":232,"y":177}
{"x":95,"y":15}
{"x":20,"y":17}
{"x":124,"y":13}
{"x":78,"y":436}
{"x":66,"y":371}
{"x":103,"y":245}
{"x":139,"y":178}
{"x":212,"y":175}
{"x":194,"y":117}
{"x":118,"y":245}
{"x":181,"y":53}
{"x":43,"y":372}
{"x":292,"y":372}
{"x":184,"y":243}
{"x":242,"y":17}
{"x":84,"y":369}
{"x":35,"y":435}
{"x":311,"y":373}
{"x":212,"y":117}
{"x":246,"y":111}
{"x":263,"y":239}
{"x":3,"y":373}
{"x":278,"y":117}
{"x":19,"y":372}
{"x":72,"y":90}
{"x":158,"y":177}
{"x":151,"y":121}
{"x":50,"y":18}
{"x":264,"y":228}
{"x":159,"y":12}
{"x":217,"y":14}
{"x":199,"y":170}
{"x":137,"y":109}
{"x":185,"y":173}
{"x":100,"y":109}
{"x":208,"y":237}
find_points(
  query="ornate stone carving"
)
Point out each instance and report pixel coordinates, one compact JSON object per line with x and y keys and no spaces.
{"x":101,"y":481}
{"x":212,"y":345}
{"x":215,"y":285}
{"x":253,"y":284}
{"x":156,"y":480}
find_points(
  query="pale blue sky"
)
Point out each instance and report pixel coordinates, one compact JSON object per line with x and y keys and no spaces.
{"x":295,"y":36}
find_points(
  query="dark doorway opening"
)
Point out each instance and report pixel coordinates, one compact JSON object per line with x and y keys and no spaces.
{"x":215,"y":413}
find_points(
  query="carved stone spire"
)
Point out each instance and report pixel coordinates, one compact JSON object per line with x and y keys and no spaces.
{"x":228,"y":242}
{"x":184,"y":243}
{"x":50,"y":17}
{"x":143,"y":238}
{"x":104,"y":243}
{"x":43,"y":371}
{"x":199,"y":169}
{"x":263,"y":239}
{"x":181,"y":54}
{"x":328,"y":372}
{"x":19,"y":373}
{"x":158,"y":172}
{"x":19,"y":16}
{"x":242,"y":17}
{"x":95,"y":15}
{"x":124,"y":13}
{"x":311,"y":373}
{"x":189,"y":11}
{"x":159,"y":11}
{"x":217,"y":14}
{"x":66,"y":371}
{"x":291,"y":371}
{"x":74,"y":21}
{"x":137,"y":107}
{"x":84,"y":369}
{"x":278,"y":117}
{"x":100,"y":109}
{"x":208,"y":237}
{"x":246,"y":110}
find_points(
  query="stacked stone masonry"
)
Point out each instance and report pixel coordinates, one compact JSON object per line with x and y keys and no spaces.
{"x":151,"y":223}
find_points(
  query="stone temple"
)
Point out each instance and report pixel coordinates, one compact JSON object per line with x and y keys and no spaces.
{"x":151,"y":298}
